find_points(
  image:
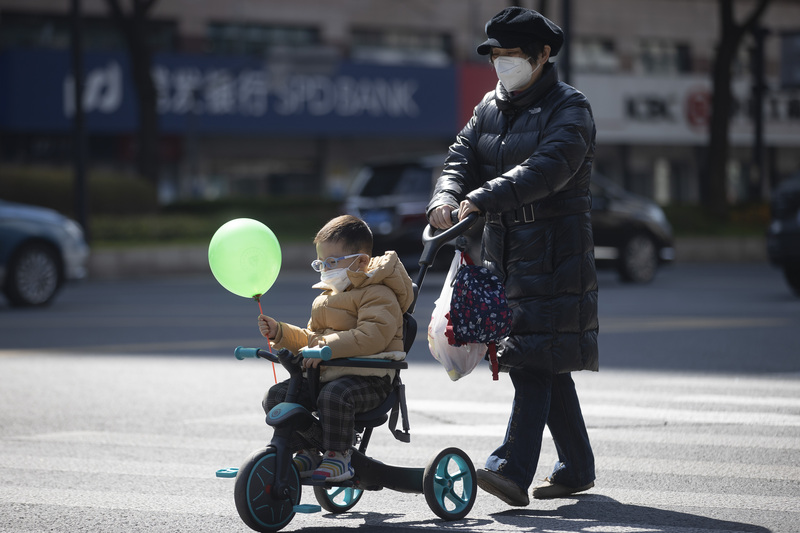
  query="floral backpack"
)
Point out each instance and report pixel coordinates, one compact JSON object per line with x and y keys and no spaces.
{"x":479,"y":311}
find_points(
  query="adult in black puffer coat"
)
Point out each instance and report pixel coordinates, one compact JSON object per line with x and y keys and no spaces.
{"x":524,"y":161}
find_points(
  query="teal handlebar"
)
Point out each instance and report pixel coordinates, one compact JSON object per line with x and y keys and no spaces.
{"x":242,"y":353}
{"x":323,"y":352}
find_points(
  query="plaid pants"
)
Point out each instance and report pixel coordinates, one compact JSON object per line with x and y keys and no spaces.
{"x":337,"y":404}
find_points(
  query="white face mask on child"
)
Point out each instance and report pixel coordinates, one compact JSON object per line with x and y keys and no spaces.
{"x":335,"y":280}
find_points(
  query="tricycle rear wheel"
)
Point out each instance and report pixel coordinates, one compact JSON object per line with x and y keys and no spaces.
{"x":450,"y":484}
{"x":337,"y":499}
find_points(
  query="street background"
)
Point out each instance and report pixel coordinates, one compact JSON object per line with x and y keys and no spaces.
{"x":120,"y":402}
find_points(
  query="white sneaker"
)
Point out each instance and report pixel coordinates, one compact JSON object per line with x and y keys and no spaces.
{"x":306,"y":462}
{"x":335,"y":466}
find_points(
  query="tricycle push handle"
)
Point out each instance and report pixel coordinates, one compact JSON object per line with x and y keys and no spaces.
{"x":433,"y":239}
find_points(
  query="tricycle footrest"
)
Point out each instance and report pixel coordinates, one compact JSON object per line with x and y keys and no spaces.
{"x":227,"y":472}
{"x":307,"y":508}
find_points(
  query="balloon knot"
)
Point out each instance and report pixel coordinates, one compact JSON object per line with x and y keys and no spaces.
{"x":257,"y":297}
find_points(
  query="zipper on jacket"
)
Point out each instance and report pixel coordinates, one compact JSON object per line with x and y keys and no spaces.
{"x":509,"y":121}
{"x":498,"y":162}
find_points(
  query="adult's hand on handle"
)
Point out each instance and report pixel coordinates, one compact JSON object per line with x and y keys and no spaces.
{"x":465,"y":208}
{"x":440,"y":217}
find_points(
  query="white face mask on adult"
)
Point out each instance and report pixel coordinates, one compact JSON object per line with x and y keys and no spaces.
{"x":514,"y":72}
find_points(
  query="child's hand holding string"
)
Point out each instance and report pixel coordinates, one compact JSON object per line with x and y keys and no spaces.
{"x":268,"y":326}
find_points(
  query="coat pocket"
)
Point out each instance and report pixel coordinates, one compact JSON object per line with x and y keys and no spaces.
{"x":529,"y":248}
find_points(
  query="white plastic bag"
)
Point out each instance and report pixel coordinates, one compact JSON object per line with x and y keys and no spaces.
{"x":458,"y":361}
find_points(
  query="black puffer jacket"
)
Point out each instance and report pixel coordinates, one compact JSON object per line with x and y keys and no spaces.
{"x":534,"y":150}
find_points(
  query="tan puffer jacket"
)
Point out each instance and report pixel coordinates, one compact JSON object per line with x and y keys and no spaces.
{"x":366,"y":320}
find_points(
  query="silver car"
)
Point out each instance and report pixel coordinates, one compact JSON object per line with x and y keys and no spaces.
{"x":39,"y":250}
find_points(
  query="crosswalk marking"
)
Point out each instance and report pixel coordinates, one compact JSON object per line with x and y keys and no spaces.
{"x":619,"y":410}
{"x":104,"y":466}
{"x":656,"y":498}
{"x":160,"y":502}
{"x":652,"y":465}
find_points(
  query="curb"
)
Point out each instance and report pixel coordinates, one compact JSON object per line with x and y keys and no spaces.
{"x":151,"y":261}
{"x":721,"y":249}
{"x":144,"y":262}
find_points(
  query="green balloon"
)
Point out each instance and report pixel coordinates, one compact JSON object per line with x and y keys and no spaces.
{"x":245,"y":257}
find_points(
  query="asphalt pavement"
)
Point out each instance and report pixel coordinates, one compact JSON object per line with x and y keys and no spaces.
{"x":131,"y":444}
{"x":121,"y":401}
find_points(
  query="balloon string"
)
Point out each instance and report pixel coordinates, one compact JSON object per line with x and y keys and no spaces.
{"x":269,"y":344}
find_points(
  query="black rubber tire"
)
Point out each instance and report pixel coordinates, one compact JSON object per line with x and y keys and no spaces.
{"x":337,"y":499}
{"x":638,"y":259}
{"x":450,"y":484}
{"x":256,"y":507}
{"x":792,"y":274}
{"x":33,"y":276}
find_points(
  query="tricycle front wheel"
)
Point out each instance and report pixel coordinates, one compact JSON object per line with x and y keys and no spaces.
{"x":258,"y":508}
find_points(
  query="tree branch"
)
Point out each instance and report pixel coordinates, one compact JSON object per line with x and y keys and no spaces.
{"x":752,"y":20}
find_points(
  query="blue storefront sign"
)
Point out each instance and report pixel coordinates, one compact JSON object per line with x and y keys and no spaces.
{"x":228,"y":95}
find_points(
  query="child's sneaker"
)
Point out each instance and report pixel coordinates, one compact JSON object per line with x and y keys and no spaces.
{"x":334,"y":467}
{"x":306,"y":462}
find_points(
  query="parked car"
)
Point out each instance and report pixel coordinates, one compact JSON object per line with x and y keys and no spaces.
{"x":783,"y":235}
{"x":631,"y":233}
{"x":39,"y":250}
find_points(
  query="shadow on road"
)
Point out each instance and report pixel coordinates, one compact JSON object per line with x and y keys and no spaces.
{"x":587,"y":513}
{"x":597,"y":511}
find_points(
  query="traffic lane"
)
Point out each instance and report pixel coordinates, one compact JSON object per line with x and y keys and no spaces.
{"x":702,"y":317}
{"x":727,"y":317}
{"x":167,"y":315}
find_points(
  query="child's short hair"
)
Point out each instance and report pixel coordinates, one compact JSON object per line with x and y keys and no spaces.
{"x":350,"y":230}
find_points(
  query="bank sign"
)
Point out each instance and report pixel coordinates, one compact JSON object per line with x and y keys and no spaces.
{"x":228,"y":95}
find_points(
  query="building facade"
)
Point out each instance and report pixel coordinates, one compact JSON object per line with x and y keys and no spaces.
{"x":269,"y":97}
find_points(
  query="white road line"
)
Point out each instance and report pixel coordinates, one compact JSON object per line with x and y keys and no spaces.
{"x":156,"y":503}
{"x":54,"y":463}
{"x":678,"y":416}
{"x":626,"y":411}
{"x":716,"y":469}
{"x":148,"y":440}
{"x":689,"y":439}
{"x":779,"y":504}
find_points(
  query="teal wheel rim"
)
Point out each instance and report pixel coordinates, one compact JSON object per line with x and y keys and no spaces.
{"x":264,"y":509}
{"x":343,"y":497}
{"x":452,"y":483}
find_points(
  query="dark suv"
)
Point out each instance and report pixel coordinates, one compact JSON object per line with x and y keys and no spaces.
{"x":631,"y":233}
{"x":783,"y":236}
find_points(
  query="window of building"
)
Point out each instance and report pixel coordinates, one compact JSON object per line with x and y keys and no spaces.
{"x":594,"y":54}
{"x":35,"y":30}
{"x":401,"y":47}
{"x":661,"y":56}
{"x":258,"y":39}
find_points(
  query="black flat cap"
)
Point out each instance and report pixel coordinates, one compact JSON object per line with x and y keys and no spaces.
{"x":516,"y":26}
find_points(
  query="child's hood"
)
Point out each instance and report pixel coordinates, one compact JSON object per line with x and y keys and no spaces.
{"x":387,"y":270}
